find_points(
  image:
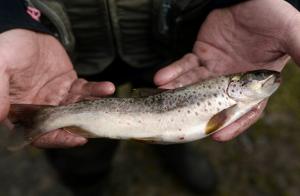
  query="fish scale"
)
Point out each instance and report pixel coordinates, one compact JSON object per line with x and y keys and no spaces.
{"x":173,"y":116}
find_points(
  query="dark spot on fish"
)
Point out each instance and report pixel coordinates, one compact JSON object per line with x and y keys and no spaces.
{"x":188,"y":111}
{"x":179,"y":129}
{"x":208,"y":103}
{"x":220,"y":103}
{"x":232,"y":90}
{"x":215,"y":95}
{"x":181,"y":138}
{"x":198,"y":104}
{"x":179,"y":111}
{"x":196,"y":113}
{"x":240,"y":92}
{"x":209,"y":86}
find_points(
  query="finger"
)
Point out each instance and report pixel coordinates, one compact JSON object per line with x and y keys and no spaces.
{"x":239,"y":126}
{"x":98,"y":89}
{"x":92,"y":89}
{"x":190,"y":77}
{"x":83,"y":90}
{"x":4,"y":97}
{"x":59,"y":139}
{"x":171,"y":72}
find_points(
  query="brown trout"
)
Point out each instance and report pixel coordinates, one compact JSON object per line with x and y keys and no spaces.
{"x":172,"y":116}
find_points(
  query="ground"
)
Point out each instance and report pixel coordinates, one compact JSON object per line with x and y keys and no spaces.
{"x":264,"y":161}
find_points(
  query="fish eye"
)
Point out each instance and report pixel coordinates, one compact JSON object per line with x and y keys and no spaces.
{"x":258,"y":76}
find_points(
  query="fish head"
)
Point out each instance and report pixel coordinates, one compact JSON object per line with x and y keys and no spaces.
{"x":255,"y":85}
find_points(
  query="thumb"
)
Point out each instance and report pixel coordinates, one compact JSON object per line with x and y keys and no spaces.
{"x":176,"y":69}
{"x":4,"y":96}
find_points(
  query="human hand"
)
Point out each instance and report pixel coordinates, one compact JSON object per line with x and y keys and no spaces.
{"x":256,"y":34}
{"x":35,"y":69}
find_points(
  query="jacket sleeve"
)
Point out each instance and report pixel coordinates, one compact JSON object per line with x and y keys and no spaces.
{"x":13,"y":15}
{"x":225,"y":3}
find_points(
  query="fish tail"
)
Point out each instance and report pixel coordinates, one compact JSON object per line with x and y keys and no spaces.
{"x":23,"y":131}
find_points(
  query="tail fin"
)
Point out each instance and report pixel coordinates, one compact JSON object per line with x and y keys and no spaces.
{"x":22,"y":117}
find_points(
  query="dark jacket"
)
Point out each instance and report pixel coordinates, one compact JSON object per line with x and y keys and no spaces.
{"x":142,"y":33}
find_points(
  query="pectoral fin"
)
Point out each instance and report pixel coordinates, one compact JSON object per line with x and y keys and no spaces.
{"x":79,"y":131}
{"x":219,"y":120}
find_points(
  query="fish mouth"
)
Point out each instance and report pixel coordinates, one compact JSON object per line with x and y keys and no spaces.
{"x":274,"y":78}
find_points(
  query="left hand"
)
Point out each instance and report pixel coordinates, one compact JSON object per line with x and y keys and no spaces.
{"x":256,"y":34}
{"x":35,"y":69}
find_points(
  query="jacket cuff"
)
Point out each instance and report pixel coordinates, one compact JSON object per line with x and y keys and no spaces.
{"x":13,"y":15}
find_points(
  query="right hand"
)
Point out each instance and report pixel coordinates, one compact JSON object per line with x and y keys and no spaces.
{"x":252,"y":35}
{"x":35,"y":69}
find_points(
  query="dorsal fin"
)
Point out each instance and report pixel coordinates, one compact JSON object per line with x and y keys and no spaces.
{"x":145,"y":92}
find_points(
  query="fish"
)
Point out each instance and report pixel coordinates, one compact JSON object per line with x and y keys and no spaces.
{"x":169,"y":116}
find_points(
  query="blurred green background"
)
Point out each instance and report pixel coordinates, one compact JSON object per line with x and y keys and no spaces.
{"x":263,"y":161}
